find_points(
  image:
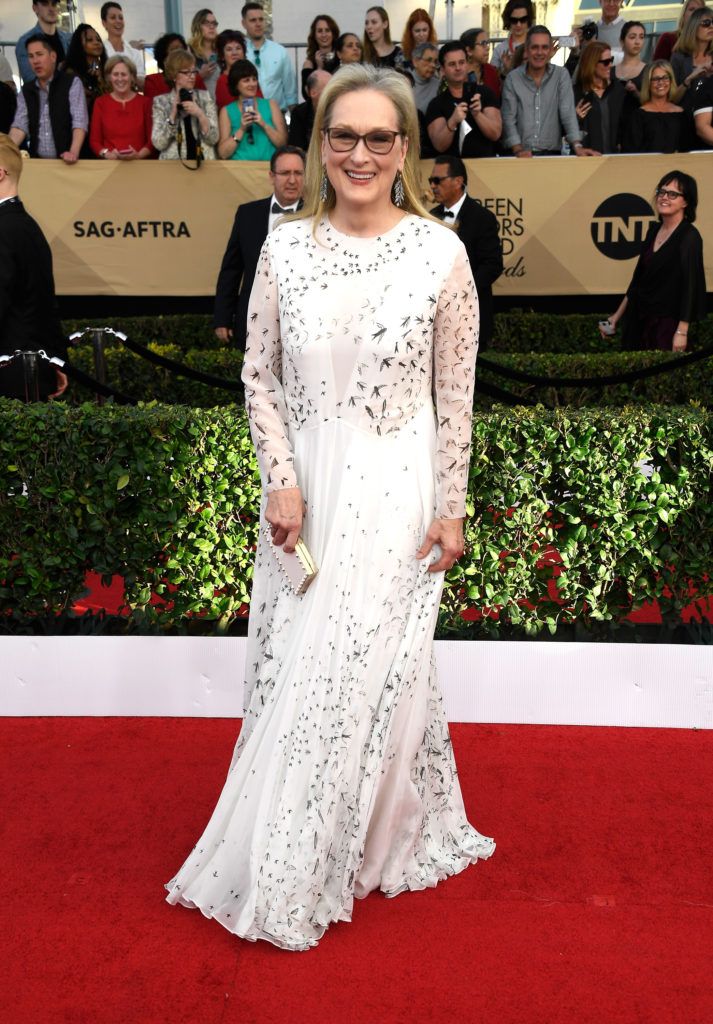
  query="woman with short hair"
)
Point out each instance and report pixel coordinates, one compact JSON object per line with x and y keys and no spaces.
{"x":112,"y":18}
{"x":157,"y":84}
{"x":359,"y":375}
{"x":518,"y":16}
{"x":120,"y":127}
{"x":230,"y":47}
{"x":251,"y":127}
{"x":185,"y":127}
{"x":668,"y":290}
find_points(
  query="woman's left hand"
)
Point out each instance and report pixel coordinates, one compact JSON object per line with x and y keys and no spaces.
{"x":448,"y":534}
{"x":191,"y":107}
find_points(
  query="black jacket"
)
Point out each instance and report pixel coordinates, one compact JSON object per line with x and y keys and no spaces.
{"x":301,"y":124}
{"x":602,"y":127}
{"x":237,"y":271}
{"x":28,"y":309}
{"x":478,"y":231}
{"x":668,"y":284}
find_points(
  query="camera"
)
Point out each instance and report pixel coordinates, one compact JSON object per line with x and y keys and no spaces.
{"x":589,"y":31}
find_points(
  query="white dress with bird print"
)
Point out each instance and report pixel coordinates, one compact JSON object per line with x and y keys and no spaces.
{"x":358,"y":377}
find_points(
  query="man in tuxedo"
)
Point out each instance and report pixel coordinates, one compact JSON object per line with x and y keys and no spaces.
{"x":28,"y":310}
{"x":477,"y":229}
{"x":253,"y":222}
{"x":302,"y":116}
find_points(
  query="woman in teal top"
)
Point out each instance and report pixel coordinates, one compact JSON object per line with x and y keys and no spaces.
{"x":251,"y":128}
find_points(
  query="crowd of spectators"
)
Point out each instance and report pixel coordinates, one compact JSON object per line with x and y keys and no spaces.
{"x":234,"y":94}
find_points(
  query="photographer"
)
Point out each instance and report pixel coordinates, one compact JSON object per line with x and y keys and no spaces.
{"x":251,"y":128}
{"x":464,"y":120}
{"x":185,"y":121}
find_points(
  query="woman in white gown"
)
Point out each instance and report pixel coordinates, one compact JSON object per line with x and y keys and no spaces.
{"x":364,"y":309}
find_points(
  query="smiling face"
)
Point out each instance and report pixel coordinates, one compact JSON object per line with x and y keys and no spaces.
{"x":634,"y":41}
{"x":247,"y":87}
{"x":668,"y":205}
{"x":92,"y":44}
{"x":538,"y":51}
{"x":374,"y":26}
{"x":323,"y":35}
{"x":659,"y":84}
{"x":350,"y":52}
{"x":114,"y":21}
{"x":360,"y":178}
{"x":120,"y":79}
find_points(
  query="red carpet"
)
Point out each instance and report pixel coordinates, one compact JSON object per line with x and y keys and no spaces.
{"x":597,"y":905}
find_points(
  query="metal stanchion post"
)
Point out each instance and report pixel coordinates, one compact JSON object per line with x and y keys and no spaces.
{"x":99,"y":360}
{"x":30,"y":375}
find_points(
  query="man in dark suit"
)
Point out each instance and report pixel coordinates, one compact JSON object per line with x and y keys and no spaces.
{"x":28,"y":310}
{"x":302,"y":116}
{"x":477,"y":229}
{"x":252,"y":223}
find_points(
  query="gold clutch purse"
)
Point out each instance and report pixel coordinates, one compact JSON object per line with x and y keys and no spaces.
{"x":298,"y":566}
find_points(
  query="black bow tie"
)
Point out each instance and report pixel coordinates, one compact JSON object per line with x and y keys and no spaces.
{"x":449,"y":213}
{"x":276,"y":208}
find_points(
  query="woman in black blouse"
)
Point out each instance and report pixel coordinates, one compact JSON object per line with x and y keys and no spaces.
{"x":658,"y":126}
{"x":600,"y":98}
{"x":377,"y":47}
{"x":668,"y":290}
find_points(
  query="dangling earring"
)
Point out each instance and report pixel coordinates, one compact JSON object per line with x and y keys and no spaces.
{"x":324,"y":186}
{"x":397,"y":191}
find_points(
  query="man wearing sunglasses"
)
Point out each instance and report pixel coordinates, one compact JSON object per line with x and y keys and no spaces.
{"x":477,"y":229}
{"x":253,"y":222}
{"x":47,"y":14}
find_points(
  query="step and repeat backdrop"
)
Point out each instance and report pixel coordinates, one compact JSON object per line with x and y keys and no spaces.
{"x":569,"y":226}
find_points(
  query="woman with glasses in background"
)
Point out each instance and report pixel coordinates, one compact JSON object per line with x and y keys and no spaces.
{"x":359,"y":375}
{"x":668,"y":290}
{"x":658,"y":125}
{"x":599,"y":98}
{"x":185,"y":127}
{"x":477,"y":51}
{"x":251,"y":127}
{"x":667,"y":40}
{"x":202,"y":44}
{"x":157,"y":84}
{"x":518,"y":16}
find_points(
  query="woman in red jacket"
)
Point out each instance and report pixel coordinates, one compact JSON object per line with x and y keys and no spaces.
{"x":121,"y":119}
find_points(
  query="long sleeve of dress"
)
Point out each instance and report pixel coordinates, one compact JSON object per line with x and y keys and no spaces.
{"x":693,"y":278}
{"x":262,"y":375}
{"x":455,"y":345}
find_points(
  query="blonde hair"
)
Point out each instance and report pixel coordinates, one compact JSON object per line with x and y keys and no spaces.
{"x":646,"y":82}
{"x":358,"y":78}
{"x":197,"y":43}
{"x":178,"y":60}
{"x":119,"y":58}
{"x":686,"y":42}
{"x":682,"y":15}
{"x":10,"y":157}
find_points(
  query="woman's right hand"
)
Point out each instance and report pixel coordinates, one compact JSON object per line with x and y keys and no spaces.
{"x":285,"y":513}
{"x":583,"y":109}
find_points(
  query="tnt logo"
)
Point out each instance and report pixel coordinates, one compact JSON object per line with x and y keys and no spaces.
{"x":619,"y":225}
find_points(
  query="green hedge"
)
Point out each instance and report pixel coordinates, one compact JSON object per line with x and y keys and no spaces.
{"x":138,"y":378}
{"x":169,"y":496}
{"x":516,"y":331}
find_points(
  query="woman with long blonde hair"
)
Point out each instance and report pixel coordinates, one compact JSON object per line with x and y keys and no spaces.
{"x":359,"y":373}
{"x":203,"y":46}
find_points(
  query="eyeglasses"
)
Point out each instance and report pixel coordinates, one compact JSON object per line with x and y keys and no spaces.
{"x":341,"y":140}
{"x":705,"y":23}
{"x":436,"y":179}
{"x":606,"y":61}
{"x":211,"y":22}
{"x":428,"y":60}
{"x":519,"y":21}
{"x":668,"y":193}
{"x":660,"y":78}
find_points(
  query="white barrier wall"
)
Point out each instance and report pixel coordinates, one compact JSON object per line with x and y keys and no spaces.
{"x":524,"y":683}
